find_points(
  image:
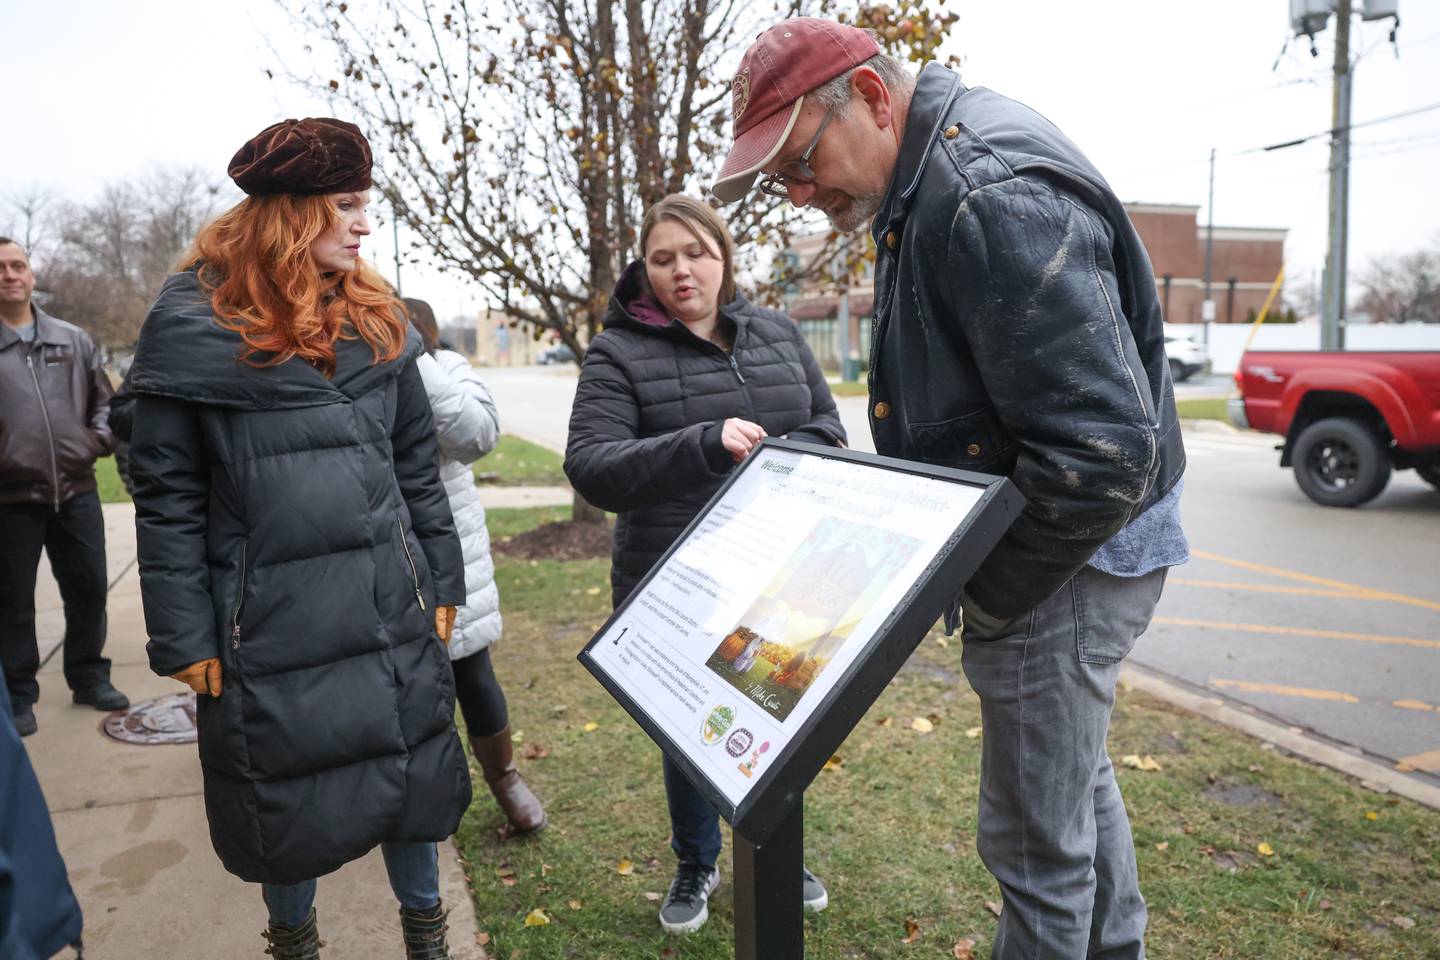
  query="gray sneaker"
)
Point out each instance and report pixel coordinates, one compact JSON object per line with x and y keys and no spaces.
{"x":816,"y":899}
{"x":687,"y":905}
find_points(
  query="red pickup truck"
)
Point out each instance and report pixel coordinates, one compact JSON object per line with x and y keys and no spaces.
{"x":1348,"y":418}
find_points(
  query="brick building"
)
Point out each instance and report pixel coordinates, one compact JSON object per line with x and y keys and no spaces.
{"x":1245,"y":263}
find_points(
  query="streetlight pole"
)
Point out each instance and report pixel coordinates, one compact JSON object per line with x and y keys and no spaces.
{"x":1207,"y":306}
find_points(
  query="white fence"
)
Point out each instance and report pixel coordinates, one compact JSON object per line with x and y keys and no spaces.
{"x":1227,"y":341}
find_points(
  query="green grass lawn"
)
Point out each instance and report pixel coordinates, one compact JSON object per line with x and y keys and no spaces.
{"x":891,"y":830}
{"x":1202,"y":408}
{"x":520,"y":463}
{"x":108,"y":484}
{"x":850,"y":388}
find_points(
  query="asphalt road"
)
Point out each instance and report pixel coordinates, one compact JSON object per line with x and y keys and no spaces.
{"x":1326,"y":619}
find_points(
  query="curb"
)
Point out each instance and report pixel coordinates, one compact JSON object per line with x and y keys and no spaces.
{"x":1370,"y":772}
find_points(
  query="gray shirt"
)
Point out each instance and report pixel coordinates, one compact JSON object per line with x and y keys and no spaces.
{"x":1150,"y":541}
{"x":26,"y":333}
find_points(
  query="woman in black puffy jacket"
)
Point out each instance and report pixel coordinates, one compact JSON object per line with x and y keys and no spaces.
{"x":686,"y":379}
{"x":298,"y":560}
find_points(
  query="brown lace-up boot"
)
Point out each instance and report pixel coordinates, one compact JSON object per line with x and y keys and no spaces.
{"x":424,"y":932}
{"x":294,"y":943}
{"x":519,"y":804}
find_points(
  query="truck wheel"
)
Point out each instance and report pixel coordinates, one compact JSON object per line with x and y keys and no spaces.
{"x":1177,"y":372}
{"x":1340,"y":462}
{"x":1430,"y":474}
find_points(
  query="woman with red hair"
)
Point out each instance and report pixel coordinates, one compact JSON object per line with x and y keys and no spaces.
{"x":298,"y":561}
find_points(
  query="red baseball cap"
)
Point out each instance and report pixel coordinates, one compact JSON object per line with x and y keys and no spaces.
{"x":782,"y":65}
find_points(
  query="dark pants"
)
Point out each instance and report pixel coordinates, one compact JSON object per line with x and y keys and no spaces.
{"x":478,"y":692}
{"x":74,"y":538}
{"x":694,"y":824}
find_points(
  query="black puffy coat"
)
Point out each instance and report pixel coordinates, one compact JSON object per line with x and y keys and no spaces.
{"x":645,"y":428}
{"x":295,"y":527}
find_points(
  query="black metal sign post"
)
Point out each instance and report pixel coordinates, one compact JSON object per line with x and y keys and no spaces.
{"x":768,"y":819}
{"x":769,"y":911}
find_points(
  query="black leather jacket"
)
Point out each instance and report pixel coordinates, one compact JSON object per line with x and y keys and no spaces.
{"x":54,"y":403}
{"x":1017,"y":331}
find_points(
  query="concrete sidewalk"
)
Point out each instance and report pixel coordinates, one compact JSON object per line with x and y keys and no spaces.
{"x":131,"y":819}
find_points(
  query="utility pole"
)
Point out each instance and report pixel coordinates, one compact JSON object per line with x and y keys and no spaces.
{"x":1332,"y":315}
{"x":1207,"y":307}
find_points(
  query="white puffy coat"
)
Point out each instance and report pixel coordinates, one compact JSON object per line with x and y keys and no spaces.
{"x":467,"y":427}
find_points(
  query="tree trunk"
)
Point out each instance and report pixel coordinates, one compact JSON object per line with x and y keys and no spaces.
{"x":583,"y":511}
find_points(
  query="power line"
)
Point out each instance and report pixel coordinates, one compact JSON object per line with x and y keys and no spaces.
{"x":1288,"y":143}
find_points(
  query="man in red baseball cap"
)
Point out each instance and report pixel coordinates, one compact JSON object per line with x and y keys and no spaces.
{"x":1017,"y":331}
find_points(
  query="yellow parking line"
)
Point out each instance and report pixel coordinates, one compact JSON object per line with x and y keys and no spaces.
{"x":1412,"y":705}
{"x":1262,"y":588}
{"x":1319,"y":581}
{"x":1299,"y":632}
{"x":1428,"y":761}
{"x":1309,"y":693}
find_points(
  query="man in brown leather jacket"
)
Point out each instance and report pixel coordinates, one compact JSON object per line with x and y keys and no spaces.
{"x":54,"y":399}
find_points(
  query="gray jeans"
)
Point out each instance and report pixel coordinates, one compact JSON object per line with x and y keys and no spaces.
{"x":1052,"y":825}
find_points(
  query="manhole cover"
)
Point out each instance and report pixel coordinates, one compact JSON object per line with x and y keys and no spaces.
{"x":169,"y":719}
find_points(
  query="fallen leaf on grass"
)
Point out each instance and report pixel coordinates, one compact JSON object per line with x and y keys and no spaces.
{"x":1135,"y":761}
{"x":1325,"y":905}
{"x":1404,"y":923}
{"x":1163,"y":845}
{"x":912,"y":931}
{"x":652,"y":896}
{"x":669,"y":952}
{"x":942,"y":641}
{"x":884,"y":721}
{"x":624,"y":868}
{"x":964,"y":949}
{"x":1264,"y":849}
{"x":533,"y":751}
{"x":536,"y":918}
{"x":1371,"y":815}
{"x":921,"y":725}
{"x":575,"y":904}
{"x":834,"y":763}
{"x":482,"y":938}
{"x":974,"y":732}
{"x":994,"y":906}
{"x":592,"y":592}
{"x":591,"y":727}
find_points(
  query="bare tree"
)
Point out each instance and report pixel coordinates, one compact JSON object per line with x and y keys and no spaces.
{"x":29,"y":215}
{"x":522,"y":140}
{"x":1403,"y":288}
{"x":113,"y":253}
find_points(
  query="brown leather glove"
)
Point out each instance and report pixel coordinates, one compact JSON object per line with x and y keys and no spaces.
{"x":202,"y":677}
{"x":444,"y":622}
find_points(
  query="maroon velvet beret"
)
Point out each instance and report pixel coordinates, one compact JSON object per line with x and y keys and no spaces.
{"x":314,"y":155}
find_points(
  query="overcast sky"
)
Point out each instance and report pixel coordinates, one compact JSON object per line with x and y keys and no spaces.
{"x":103,"y":91}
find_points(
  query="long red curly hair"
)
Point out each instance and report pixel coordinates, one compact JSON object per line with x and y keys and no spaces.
{"x":254,"y":263}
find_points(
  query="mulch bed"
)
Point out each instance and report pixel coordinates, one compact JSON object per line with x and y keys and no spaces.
{"x":566,"y":540}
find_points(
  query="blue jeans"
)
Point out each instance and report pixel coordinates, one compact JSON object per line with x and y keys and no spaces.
{"x":1052,"y":827}
{"x":414,"y":870}
{"x":694,"y":824}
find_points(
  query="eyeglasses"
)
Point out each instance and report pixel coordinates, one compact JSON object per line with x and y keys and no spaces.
{"x":796,"y":171}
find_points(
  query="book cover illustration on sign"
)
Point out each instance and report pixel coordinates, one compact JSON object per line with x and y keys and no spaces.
{"x":808,"y":610}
